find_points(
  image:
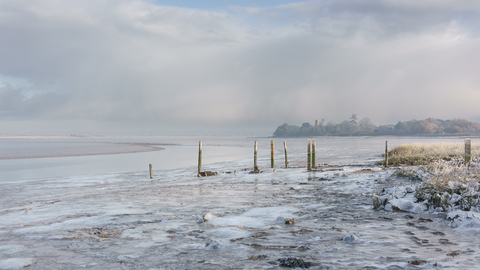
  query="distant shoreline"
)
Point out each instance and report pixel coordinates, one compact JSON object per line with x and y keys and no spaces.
{"x":385,"y":136}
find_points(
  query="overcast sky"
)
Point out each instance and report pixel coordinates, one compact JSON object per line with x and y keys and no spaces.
{"x":123,"y":64}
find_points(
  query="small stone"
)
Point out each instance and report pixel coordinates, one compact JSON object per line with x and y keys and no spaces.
{"x":303,"y":248}
{"x":205,"y":218}
{"x":257,"y":257}
{"x":289,"y":220}
{"x":350,"y":238}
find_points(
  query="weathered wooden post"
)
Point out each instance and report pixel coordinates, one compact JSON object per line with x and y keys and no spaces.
{"x":272,"y":154}
{"x":309,"y":156}
{"x":314,"y":150}
{"x":286,"y":159}
{"x":199,"y":158}
{"x":150,"y":167}
{"x":468,"y":151}
{"x":255,"y":167}
{"x":386,"y":154}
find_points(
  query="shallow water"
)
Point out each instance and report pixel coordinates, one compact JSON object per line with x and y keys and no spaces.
{"x":126,"y":220}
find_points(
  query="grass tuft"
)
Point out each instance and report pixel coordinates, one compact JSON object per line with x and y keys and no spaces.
{"x":416,"y":154}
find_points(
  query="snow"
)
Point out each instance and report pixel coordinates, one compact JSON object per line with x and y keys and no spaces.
{"x":406,"y":205}
{"x":15,"y":263}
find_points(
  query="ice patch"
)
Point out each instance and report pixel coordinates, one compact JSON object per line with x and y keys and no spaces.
{"x":145,"y":245}
{"x":406,"y":205}
{"x":270,"y":212}
{"x":78,"y":223}
{"x":230,"y":233}
{"x":257,"y":217}
{"x":238,"y":221}
{"x":350,"y":238}
{"x":128,"y":257}
{"x":133,"y":234}
{"x":214,"y":245}
{"x":11,"y":249}
{"x":14,"y":263}
{"x":465,"y":222}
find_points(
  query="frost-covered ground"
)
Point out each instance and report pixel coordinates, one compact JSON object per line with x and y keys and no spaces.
{"x":129,"y":221}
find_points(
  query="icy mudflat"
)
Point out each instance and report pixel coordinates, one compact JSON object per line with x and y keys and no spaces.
{"x":128,"y":221}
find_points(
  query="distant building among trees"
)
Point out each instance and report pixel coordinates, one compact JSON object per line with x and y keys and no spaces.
{"x":365,"y":127}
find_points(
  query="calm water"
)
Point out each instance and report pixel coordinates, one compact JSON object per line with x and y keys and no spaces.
{"x":183,"y":152}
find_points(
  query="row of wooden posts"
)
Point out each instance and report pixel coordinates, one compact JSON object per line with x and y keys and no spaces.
{"x":311,"y":154}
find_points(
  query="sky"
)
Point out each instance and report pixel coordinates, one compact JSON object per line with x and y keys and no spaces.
{"x":219,"y":65}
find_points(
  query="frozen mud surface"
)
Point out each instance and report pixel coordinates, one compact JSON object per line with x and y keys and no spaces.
{"x":129,"y":221}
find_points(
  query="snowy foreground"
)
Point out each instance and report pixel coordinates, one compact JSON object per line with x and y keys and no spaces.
{"x":128,"y":221}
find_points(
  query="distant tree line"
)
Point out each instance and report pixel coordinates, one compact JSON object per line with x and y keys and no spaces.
{"x":365,"y":127}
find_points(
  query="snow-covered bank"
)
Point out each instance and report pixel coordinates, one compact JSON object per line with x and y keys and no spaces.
{"x":447,"y":188}
{"x":115,"y":221}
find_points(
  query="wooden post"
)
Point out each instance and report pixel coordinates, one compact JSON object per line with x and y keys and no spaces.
{"x":314,"y":150}
{"x":255,"y":167}
{"x":309,"y":156}
{"x":272,"y":154}
{"x":286,"y":159}
{"x":468,"y":151}
{"x":386,"y":154}
{"x":199,"y":158}
{"x":150,"y":166}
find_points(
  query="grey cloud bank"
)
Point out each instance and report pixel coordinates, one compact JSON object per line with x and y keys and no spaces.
{"x":130,"y":64}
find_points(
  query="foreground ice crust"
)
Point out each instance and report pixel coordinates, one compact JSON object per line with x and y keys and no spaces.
{"x":115,"y":221}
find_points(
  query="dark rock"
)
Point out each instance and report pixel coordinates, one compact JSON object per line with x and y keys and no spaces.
{"x":293,"y":263}
{"x":417,"y":262}
{"x":207,"y":173}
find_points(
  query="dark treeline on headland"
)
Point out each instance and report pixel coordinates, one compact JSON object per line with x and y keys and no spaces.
{"x":365,"y":127}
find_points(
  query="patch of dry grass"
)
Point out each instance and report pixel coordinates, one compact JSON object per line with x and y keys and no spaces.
{"x":423,"y":154}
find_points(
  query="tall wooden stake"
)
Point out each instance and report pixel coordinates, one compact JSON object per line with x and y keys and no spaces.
{"x":150,"y":167}
{"x":386,"y":154}
{"x":309,"y":156}
{"x":286,"y":159}
{"x":468,"y":151}
{"x":314,"y":150}
{"x":255,"y":167}
{"x":272,"y":154}
{"x":199,"y":157}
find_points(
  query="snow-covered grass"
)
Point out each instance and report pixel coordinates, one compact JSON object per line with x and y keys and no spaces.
{"x":425,"y":153}
{"x":450,"y":186}
{"x":447,"y":185}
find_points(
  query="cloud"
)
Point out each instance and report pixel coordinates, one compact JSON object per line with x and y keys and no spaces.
{"x":134,"y":61}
